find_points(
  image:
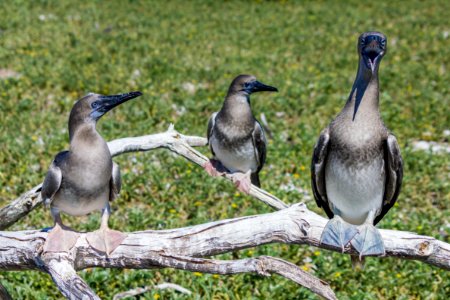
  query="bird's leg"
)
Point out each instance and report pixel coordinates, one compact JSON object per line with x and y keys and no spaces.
{"x":338,"y":233}
{"x":61,"y":238}
{"x":214,"y":168}
{"x":368,"y":241}
{"x":105,"y":239}
{"x":242,"y":181}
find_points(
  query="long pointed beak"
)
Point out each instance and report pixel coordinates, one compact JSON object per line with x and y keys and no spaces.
{"x":259,"y":87}
{"x":109,"y":102}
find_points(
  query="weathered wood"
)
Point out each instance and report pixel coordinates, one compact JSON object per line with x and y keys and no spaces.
{"x":181,"y":248}
{"x":142,"y":290}
{"x":171,"y":139}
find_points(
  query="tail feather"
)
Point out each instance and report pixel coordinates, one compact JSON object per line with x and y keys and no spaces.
{"x":254,"y":178}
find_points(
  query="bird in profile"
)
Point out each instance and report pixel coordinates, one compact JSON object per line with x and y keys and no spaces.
{"x":84,"y":178}
{"x":235,"y":137}
{"x":357,"y":169}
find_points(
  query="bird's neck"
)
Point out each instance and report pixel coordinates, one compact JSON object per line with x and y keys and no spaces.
{"x":365,"y":90}
{"x":236,"y":107}
{"x":86,"y":142}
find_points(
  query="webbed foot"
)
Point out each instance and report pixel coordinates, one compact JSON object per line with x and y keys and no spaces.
{"x":214,"y":168}
{"x":338,"y":233}
{"x":368,"y":241}
{"x":60,"y":239}
{"x":242,"y":181}
{"x":105,"y":240}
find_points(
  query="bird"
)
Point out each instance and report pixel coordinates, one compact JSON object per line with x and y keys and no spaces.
{"x":236,"y":139}
{"x":357,"y":167}
{"x":84,"y":178}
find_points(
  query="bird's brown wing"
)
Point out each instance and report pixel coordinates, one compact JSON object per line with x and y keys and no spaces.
{"x":53,"y":179}
{"x":318,"y":165}
{"x":209,"y":131}
{"x":259,"y":146}
{"x":393,"y":163}
{"x":115,"y":182}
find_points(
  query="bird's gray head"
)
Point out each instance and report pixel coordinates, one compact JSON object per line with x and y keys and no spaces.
{"x":91,"y":107}
{"x":248,"y":84}
{"x":372,"y":46}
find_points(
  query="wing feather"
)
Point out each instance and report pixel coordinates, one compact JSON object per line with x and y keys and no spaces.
{"x":52,"y":181}
{"x":210,"y":130}
{"x":394,"y":175}
{"x":318,"y":165}
{"x":115,"y":183}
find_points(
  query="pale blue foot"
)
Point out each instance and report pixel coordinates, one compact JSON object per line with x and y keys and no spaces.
{"x":338,"y":233}
{"x":368,"y":241}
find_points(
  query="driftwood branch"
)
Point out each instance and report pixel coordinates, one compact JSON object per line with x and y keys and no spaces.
{"x":171,"y":139}
{"x":142,"y":290}
{"x":184,"y":248}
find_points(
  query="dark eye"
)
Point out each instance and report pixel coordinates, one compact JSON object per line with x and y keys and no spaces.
{"x":95,"y":104}
{"x":383,"y":43}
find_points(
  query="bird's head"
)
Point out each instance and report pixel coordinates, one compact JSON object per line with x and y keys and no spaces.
{"x":248,"y":84}
{"x":93,"y":106}
{"x":372,"y":47}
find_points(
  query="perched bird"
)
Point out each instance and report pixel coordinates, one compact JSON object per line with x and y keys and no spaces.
{"x":84,"y":179}
{"x":357,"y":169}
{"x":235,"y":137}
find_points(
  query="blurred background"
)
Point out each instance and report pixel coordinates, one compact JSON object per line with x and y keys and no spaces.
{"x":183,"y":55}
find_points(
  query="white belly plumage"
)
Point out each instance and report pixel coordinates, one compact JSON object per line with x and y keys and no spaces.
{"x":356,"y":190}
{"x":240,"y":159}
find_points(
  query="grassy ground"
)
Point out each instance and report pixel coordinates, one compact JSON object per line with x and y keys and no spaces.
{"x":64,"y":50}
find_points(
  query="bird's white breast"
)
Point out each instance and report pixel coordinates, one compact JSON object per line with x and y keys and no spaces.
{"x":356,"y":189}
{"x":237,"y":159}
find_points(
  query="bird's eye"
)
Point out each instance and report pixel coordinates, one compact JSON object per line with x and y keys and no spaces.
{"x":95,"y":104}
{"x":247,"y":85}
{"x":383,"y":43}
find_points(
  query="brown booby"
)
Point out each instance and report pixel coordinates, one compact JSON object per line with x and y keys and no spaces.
{"x":357,"y":169}
{"x":235,"y":137}
{"x":84,"y":178}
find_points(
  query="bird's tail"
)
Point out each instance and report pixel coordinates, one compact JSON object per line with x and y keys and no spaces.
{"x":254,"y":178}
{"x":357,"y":262}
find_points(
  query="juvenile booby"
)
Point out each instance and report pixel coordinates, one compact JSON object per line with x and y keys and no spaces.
{"x":235,"y":137}
{"x":357,"y":168}
{"x":84,"y":179}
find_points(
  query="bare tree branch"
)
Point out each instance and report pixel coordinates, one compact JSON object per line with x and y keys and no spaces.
{"x":181,"y":248}
{"x":171,"y":139}
{"x":142,"y":290}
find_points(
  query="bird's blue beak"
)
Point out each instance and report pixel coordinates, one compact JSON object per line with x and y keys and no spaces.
{"x":104,"y":104}
{"x":256,"y":86}
{"x":372,"y":51}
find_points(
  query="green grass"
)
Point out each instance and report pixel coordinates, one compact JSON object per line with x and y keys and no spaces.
{"x":306,"y":49}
